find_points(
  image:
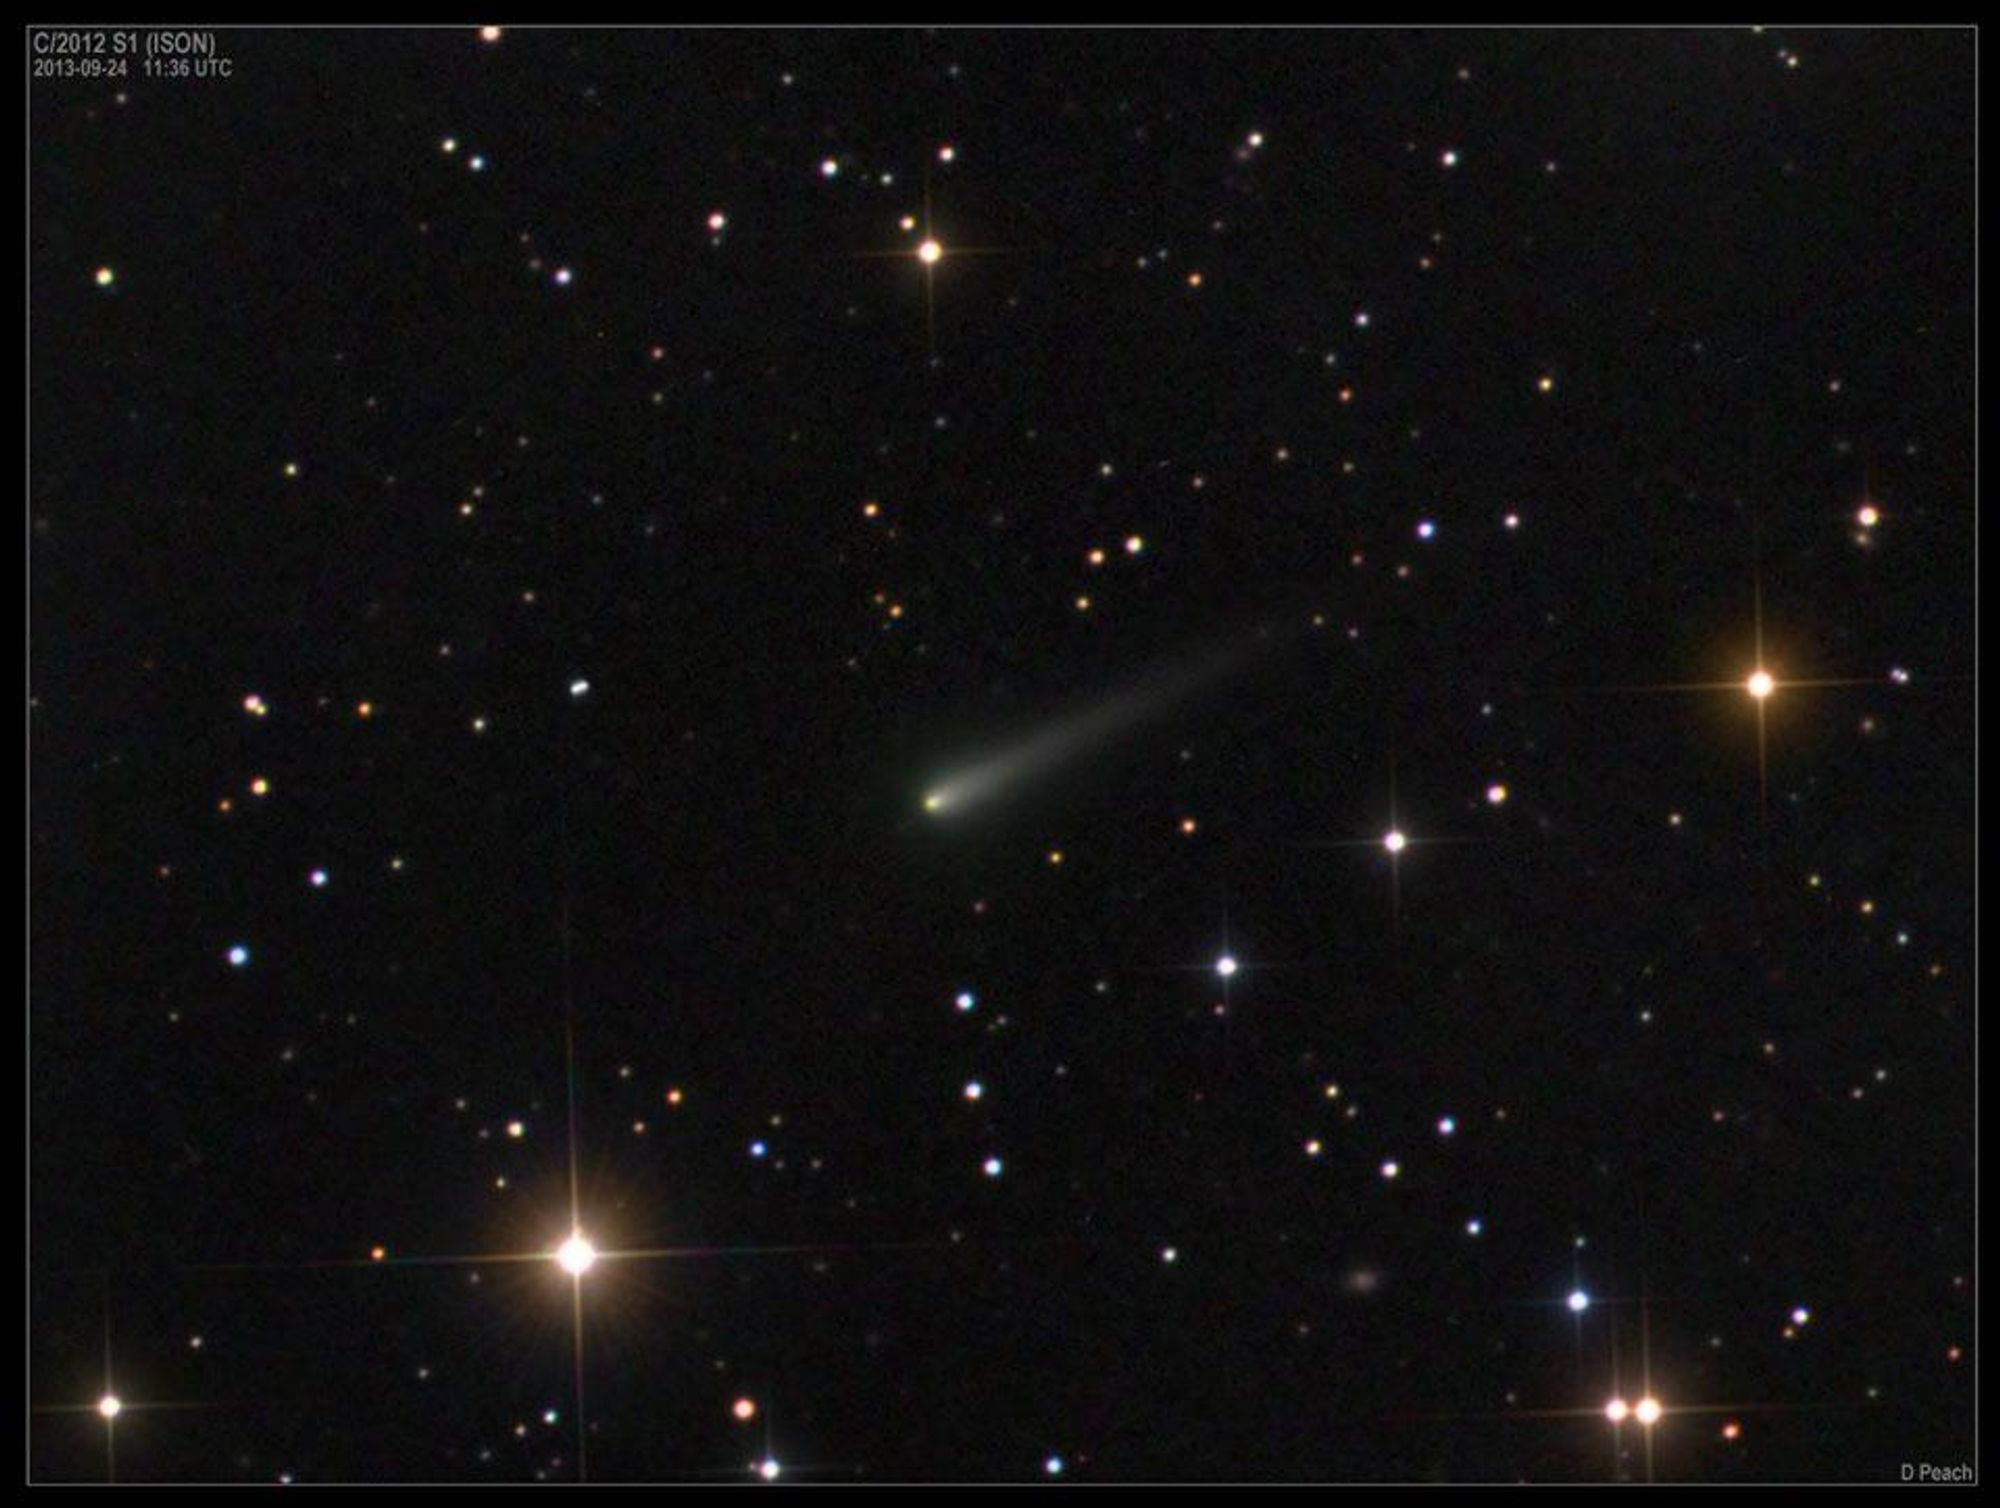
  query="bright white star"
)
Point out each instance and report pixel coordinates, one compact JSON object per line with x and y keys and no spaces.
{"x":576,"y":1256}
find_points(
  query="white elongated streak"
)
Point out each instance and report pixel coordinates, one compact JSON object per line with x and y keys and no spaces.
{"x":1039,"y":752}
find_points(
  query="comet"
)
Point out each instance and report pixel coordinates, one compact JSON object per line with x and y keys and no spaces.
{"x":1080,"y":732}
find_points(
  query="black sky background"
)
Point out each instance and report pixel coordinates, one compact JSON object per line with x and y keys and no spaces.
{"x":1752,"y":286}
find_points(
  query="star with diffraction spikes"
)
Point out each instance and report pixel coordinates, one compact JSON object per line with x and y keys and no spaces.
{"x":1394,"y":841}
{"x":575,"y":1252}
{"x":930,"y":253}
{"x":1760,"y":683}
{"x":110,"y":1405}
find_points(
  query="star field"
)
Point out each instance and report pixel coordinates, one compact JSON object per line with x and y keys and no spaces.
{"x":954,"y":755}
